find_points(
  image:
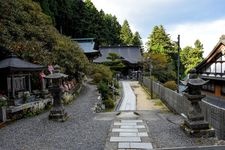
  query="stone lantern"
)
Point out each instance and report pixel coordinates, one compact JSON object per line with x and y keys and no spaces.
{"x":194,"y":124}
{"x":57,"y":112}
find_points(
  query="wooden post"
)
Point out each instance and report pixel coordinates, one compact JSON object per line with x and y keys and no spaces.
{"x":29,"y":84}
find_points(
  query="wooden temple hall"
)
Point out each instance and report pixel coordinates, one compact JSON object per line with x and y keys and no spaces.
{"x":15,"y":79}
{"x":212,"y":68}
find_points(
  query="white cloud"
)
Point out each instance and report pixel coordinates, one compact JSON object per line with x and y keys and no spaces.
{"x":207,"y":32}
{"x":136,"y":12}
{"x":143,"y":15}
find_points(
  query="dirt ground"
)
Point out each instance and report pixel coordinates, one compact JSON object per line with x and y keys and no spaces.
{"x":144,"y":102}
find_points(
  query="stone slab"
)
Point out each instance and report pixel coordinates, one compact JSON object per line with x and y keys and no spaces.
{"x":140,"y":134}
{"x":124,"y":130}
{"x":125,"y":123}
{"x":141,"y":145}
{"x":133,"y":127}
{"x":143,"y":134}
{"x":125,"y":139}
{"x":135,"y":145}
{"x":131,"y":121}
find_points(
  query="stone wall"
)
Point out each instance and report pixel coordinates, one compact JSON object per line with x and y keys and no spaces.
{"x":179,"y":104}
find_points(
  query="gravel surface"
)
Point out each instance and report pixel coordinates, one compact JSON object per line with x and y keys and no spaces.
{"x":165,"y":132}
{"x":80,"y":132}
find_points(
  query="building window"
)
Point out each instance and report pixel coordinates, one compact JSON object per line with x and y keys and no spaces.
{"x":218,"y":67}
{"x":213,"y":70}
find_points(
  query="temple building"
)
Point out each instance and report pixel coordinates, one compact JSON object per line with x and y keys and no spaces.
{"x":212,"y":68}
{"x":89,"y":47}
{"x":131,"y":56}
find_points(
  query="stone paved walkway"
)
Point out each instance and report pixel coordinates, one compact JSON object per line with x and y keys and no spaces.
{"x":129,"y":98}
{"x":128,"y":132}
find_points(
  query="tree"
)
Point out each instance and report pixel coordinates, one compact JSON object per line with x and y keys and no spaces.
{"x":136,"y":40}
{"x":126,"y":34}
{"x":191,"y":57}
{"x":81,"y":19}
{"x":159,"y":41}
{"x":30,"y":34}
{"x":163,"y":69}
{"x":114,"y":62}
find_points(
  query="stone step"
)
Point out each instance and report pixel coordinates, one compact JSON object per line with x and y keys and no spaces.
{"x":131,"y":121}
{"x":135,"y":145}
{"x":124,"y":130}
{"x":133,"y":127}
{"x":139,"y":134}
{"x":125,"y":123}
{"x":125,"y":139}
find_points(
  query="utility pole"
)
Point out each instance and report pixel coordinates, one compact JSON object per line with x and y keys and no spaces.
{"x":178,"y":63}
{"x":150,"y":72}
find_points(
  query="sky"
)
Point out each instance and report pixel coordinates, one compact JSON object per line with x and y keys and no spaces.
{"x":191,"y":19}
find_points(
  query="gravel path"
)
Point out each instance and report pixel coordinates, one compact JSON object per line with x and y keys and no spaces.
{"x":80,"y":132}
{"x":164,"y":130}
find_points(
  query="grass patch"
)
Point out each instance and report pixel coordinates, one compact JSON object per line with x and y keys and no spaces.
{"x":158,"y":103}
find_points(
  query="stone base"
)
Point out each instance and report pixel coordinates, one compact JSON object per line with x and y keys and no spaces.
{"x":196,"y":125}
{"x":209,"y":132}
{"x":58,"y":114}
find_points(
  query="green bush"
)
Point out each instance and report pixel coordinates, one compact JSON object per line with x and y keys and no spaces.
{"x":101,"y":72}
{"x":109,"y":103}
{"x":171,"y":85}
{"x":103,"y":89}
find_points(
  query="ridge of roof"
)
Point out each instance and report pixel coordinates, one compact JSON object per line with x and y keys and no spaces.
{"x":221,"y":41}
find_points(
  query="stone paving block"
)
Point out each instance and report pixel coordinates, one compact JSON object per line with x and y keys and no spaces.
{"x":141,"y":145}
{"x":124,"y":145}
{"x":133,"y":127}
{"x":139,"y":134}
{"x":124,"y":130}
{"x":125,"y":139}
{"x":128,"y":134}
{"x":125,"y":123}
{"x":143,"y":134}
{"x":131,"y":121}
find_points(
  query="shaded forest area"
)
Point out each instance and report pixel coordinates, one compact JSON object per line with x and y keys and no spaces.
{"x":81,"y":19}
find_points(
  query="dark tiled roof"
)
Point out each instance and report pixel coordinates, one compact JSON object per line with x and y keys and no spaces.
{"x":132,"y":54}
{"x":86,"y":44}
{"x":14,"y":63}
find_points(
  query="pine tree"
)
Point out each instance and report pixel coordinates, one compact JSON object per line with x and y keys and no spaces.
{"x":136,"y":40}
{"x":159,"y":41}
{"x":126,"y":34}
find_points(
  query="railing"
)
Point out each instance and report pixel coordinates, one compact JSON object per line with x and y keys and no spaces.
{"x":178,"y":103}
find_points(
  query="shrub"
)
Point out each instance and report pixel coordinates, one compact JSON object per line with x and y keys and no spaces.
{"x":103,"y":89}
{"x":101,"y":72}
{"x":67,"y":98}
{"x":171,"y":85}
{"x":109,"y":103}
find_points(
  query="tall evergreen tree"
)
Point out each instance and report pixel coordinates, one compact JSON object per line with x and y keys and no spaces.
{"x":190,"y":57}
{"x":126,"y":34}
{"x":80,"y":19}
{"x":159,"y":41}
{"x":136,"y":40}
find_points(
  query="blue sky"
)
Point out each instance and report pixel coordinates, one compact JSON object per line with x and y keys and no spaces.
{"x":192,"y":19}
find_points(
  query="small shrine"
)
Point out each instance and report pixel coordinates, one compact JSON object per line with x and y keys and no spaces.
{"x":16,"y":79}
{"x":194,"y":124}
